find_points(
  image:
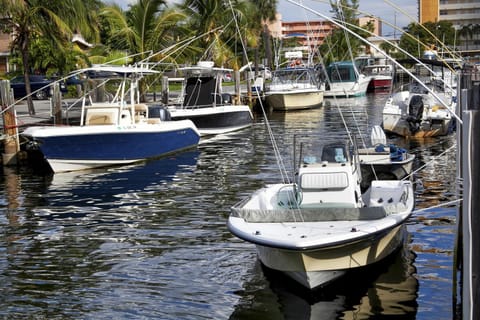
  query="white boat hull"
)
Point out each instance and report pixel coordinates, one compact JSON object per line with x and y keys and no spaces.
{"x":435,"y":120}
{"x":348,"y":89}
{"x":398,"y":124}
{"x":323,"y":225}
{"x":294,"y":100}
{"x":316,"y":268}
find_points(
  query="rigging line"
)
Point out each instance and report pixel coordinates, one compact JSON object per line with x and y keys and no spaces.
{"x":178,"y":49}
{"x":429,"y":162}
{"x":397,"y":46}
{"x":309,"y":41}
{"x":451,"y":53}
{"x":278,"y":156}
{"x":404,"y":52}
{"x":444,"y":204}
{"x":386,"y":55}
{"x":339,"y":9}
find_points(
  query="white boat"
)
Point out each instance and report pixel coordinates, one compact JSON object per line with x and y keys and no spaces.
{"x":294,"y":88}
{"x":345,"y":81}
{"x":205,"y":103}
{"x":319,"y":227}
{"x":418,"y":112}
{"x":112,"y":133}
{"x":384,"y":161}
{"x":379,"y":69}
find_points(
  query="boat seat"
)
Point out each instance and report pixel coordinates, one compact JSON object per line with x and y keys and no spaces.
{"x":334,"y":153}
{"x":324,"y":181}
{"x":287,"y":197}
{"x":141,"y":112}
{"x":153,"y":120}
{"x":101,"y":116}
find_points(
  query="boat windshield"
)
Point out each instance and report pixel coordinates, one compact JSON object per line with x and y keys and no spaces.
{"x":293,"y":75}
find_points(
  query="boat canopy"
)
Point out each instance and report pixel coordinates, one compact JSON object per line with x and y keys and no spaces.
{"x":342,"y":72}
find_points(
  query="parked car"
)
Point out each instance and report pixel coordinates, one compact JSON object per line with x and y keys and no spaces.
{"x":37,"y":82}
{"x":262,"y":71}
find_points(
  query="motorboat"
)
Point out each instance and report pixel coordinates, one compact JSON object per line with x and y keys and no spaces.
{"x":382,"y":77}
{"x":345,"y":81}
{"x":204,"y":102}
{"x":115,"y":132}
{"x":322,"y":225}
{"x":379,"y":69}
{"x":423,"y":108}
{"x":384,"y":161}
{"x":294,"y":88}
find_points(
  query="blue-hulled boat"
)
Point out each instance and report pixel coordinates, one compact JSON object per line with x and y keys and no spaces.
{"x":111,"y":133}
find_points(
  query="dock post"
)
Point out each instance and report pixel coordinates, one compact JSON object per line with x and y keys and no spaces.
{"x":238,"y":93}
{"x":57,"y":104}
{"x":10,"y":129}
{"x":470,"y":215}
{"x":249,"y":91}
{"x":165,"y":90}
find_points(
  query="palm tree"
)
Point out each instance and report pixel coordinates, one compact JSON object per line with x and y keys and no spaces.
{"x":339,"y":45}
{"x":216,"y":23}
{"x":47,"y":19}
{"x":264,"y":13}
{"x":148,"y":26}
{"x":466,"y":32}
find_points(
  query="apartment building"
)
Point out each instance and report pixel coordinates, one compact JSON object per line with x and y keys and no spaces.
{"x":313,"y":33}
{"x":460,"y":13}
{"x":309,"y":33}
{"x":5,"y":40}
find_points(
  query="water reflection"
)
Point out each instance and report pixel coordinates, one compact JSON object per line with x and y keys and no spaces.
{"x":387,"y":290}
{"x":150,"y":240}
{"x":124,"y":183}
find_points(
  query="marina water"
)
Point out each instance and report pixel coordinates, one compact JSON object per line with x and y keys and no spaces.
{"x":149,"y":241}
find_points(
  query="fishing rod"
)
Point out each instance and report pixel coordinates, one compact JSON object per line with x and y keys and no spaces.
{"x":382,"y":52}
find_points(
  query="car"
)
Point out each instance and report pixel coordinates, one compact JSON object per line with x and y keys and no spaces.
{"x":227,"y":77}
{"x":262,"y":71}
{"x":40,"y":84}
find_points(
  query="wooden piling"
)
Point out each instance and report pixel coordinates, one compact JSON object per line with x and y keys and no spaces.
{"x":249,"y":91}
{"x":10,"y":129}
{"x":165,"y":90}
{"x":238,"y":93}
{"x":57,"y":104}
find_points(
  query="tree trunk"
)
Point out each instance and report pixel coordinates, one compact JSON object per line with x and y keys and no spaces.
{"x":268,"y":48}
{"x":26,"y":74}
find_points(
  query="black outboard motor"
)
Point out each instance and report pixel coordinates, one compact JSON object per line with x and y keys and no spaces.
{"x":158,"y":111}
{"x":415,"y":111}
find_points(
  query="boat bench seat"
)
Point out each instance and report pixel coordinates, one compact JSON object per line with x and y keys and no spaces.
{"x":141,"y":112}
{"x":101,"y":116}
{"x":324,"y":180}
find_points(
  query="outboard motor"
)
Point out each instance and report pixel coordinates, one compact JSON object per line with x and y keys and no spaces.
{"x":415,"y":111}
{"x":158,"y":111}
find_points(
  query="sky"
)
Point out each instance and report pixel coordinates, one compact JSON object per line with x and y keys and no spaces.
{"x":395,"y":12}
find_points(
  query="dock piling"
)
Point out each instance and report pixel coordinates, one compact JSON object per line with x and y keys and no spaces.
{"x":10,"y":129}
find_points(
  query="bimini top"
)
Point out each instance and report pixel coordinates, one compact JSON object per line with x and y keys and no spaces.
{"x":343,"y":71}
